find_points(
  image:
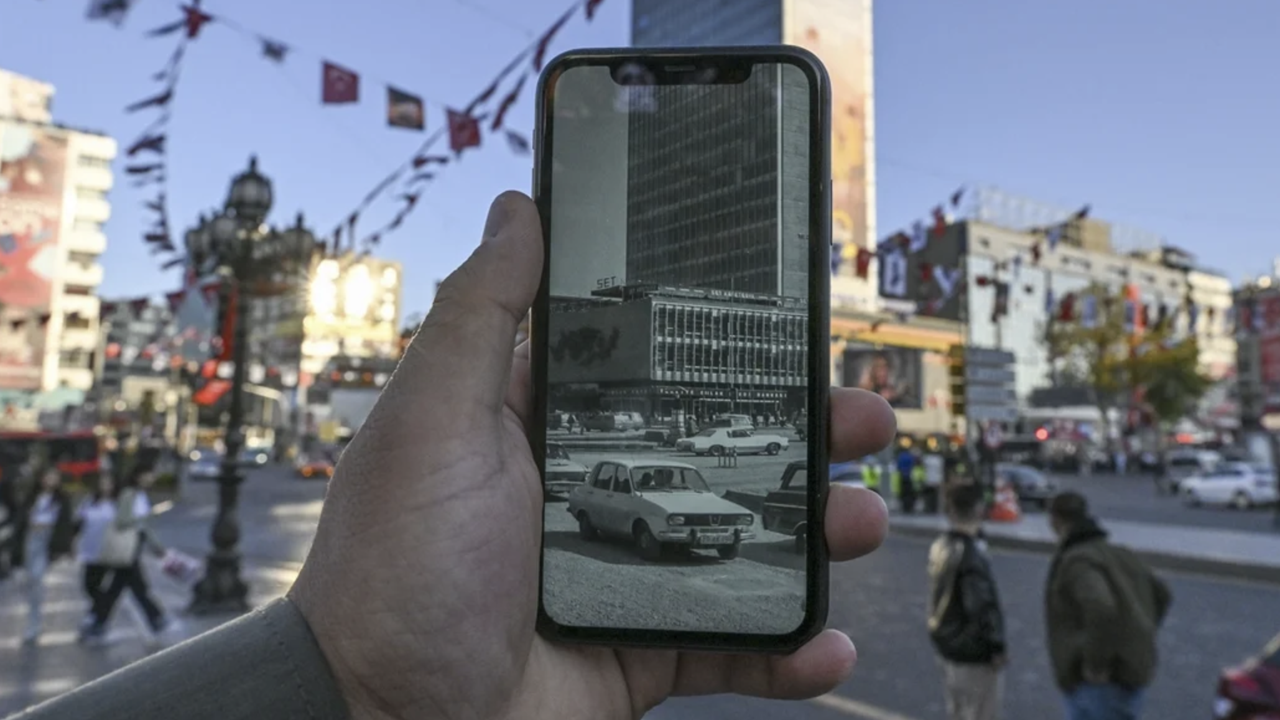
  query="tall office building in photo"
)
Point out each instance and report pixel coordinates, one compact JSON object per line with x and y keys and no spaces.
{"x":54,"y":182}
{"x":838,"y":32}
{"x":736,"y":217}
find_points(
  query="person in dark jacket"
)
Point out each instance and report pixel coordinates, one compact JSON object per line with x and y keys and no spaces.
{"x":1103,"y":607}
{"x":966,"y":623}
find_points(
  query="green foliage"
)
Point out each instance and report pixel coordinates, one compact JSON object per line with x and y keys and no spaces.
{"x":1106,"y":358}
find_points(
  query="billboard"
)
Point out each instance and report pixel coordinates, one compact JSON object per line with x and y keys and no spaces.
{"x":32,"y":167}
{"x":894,"y":373}
{"x":605,"y":344}
{"x":839,"y":32}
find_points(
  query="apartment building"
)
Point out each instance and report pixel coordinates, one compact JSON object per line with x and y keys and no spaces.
{"x":54,"y":185}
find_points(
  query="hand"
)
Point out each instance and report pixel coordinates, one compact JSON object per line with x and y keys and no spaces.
{"x":422,"y":584}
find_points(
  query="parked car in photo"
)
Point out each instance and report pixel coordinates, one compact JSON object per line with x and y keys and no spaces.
{"x":658,"y":504}
{"x":802,"y":425}
{"x":1251,"y":690}
{"x":732,"y":420}
{"x":718,"y":441}
{"x":1033,"y":487}
{"x":1235,"y":484}
{"x":208,"y":466}
{"x":786,"y":509}
{"x":562,"y":473}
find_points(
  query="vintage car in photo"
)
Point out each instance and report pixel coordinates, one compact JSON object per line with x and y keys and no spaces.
{"x":719,"y":441}
{"x":562,"y":473}
{"x":658,"y":504}
{"x":785,"y":509}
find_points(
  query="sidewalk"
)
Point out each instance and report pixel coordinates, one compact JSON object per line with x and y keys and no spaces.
{"x":59,"y":664}
{"x":1219,"y":553}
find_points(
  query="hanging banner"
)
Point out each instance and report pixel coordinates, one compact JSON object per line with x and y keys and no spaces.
{"x":32,"y":168}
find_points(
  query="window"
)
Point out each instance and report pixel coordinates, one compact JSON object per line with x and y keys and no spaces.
{"x":90,"y":194}
{"x":82,"y":259}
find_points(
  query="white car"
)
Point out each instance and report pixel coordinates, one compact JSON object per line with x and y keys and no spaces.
{"x":657,"y":504}
{"x":562,"y":474}
{"x":1240,"y":485}
{"x":718,"y":441}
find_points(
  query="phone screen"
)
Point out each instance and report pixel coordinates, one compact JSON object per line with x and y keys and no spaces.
{"x":679,"y":345}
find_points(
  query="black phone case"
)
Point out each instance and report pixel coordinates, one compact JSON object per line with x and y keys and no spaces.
{"x":817,"y":559}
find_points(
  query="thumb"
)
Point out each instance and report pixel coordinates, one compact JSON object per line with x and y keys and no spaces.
{"x":458,"y":363}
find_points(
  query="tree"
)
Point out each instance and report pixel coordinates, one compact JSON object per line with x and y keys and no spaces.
{"x":1105,"y":356}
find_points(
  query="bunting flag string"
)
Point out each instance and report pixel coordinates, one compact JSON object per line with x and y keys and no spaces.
{"x":340,"y":85}
{"x":148,"y":154}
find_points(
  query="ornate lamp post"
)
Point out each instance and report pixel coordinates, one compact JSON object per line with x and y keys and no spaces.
{"x":247,"y":256}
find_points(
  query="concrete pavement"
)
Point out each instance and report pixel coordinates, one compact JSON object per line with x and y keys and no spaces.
{"x":1220,"y":553}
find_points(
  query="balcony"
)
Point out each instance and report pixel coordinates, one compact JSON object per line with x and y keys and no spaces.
{"x":85,"y":339}
{"x":92,"y":242}
{"x":87,"y":305}
{"x":92,"y":208}
{"x":92,"y":177}
{"x":74,"y":273}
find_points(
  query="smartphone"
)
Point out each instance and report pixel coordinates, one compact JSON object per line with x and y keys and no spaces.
{"x":680,"y":335}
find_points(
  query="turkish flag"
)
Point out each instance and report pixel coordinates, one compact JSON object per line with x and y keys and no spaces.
{"x":464,"y":131}
{"x":340,"y":85}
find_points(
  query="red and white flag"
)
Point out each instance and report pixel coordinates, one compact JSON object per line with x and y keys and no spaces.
{"x":340,"y":85}
{"x":464,"y":131}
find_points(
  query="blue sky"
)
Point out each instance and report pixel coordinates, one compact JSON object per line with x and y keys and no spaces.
{"x":1159,"y":114}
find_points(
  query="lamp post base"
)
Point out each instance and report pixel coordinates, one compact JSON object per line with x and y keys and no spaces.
{"x":221,"y":590}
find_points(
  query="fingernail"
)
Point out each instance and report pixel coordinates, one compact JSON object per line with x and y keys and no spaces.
{"x":499,"y":213}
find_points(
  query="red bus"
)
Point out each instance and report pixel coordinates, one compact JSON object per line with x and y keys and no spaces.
{"x":76,"y":454}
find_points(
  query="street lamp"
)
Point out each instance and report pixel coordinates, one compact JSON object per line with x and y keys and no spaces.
{"x":247,"y":256}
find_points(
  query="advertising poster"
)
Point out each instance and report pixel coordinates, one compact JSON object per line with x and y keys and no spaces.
{"x":839,"y":32}
{"x":32,"y":165}
{"x":894,"y":373}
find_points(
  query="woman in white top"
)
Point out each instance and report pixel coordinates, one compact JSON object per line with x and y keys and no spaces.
{"x":49,"y":537}
{"x":96,"y":512}
{"x":131,"y":510}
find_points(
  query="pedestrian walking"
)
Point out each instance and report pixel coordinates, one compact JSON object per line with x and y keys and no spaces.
{"x":50,"y":534}
{"x":124,"y":541}
{"x":1103,"y":608}
{"x":966,"y":622}
{"x":92,"y":518}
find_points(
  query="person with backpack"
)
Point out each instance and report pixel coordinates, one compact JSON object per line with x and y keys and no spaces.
{"x":1103,"y":608}
{"x":966,"y":623}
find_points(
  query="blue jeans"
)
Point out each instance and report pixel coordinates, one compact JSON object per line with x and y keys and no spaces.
{"x":1104,"y":702}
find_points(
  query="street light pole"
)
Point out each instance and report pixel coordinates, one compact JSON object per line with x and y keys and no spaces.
{"x":237,"y":245}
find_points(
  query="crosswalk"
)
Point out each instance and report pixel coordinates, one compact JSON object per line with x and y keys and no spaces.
{"x":58,"y":663}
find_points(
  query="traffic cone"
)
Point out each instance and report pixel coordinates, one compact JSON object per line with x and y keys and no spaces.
{"x":1005,"y":508}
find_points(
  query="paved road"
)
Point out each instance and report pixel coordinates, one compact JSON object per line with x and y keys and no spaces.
{"x":878,"y":600}
{"x":1133,"y":497}
{"x":604,"y":582}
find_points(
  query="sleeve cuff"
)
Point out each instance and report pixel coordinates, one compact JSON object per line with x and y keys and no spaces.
{"x":265,"y":664}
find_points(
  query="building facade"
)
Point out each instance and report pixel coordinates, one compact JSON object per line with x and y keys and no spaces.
{"x":737,"y":218}
{"x":837,"y":31}
{"x":660,"y":351}
{"x":54,"y":182}
{"x":1163,"y":279}
{"x":1257,"y":311}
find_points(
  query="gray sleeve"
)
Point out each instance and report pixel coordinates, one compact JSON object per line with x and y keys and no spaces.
{"x":263,"y":665}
